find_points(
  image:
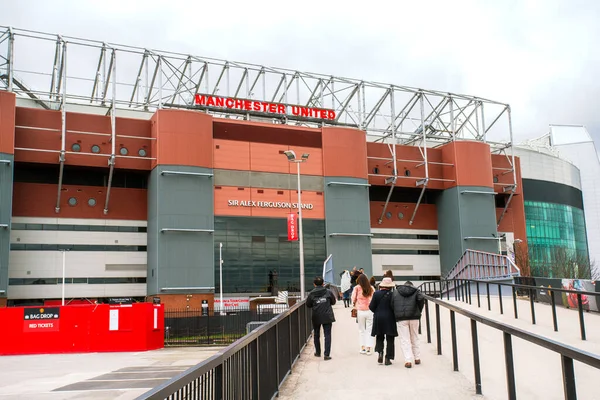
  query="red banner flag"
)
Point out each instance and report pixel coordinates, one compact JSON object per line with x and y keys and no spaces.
{"x":292,"y":226}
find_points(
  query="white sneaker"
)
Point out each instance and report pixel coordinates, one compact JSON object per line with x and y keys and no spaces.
{"x":369,"y":352}
{"x":363,"y":351}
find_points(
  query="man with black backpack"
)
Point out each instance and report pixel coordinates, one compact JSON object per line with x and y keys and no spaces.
{"x":407,"y":303}
{"x":320,"y":299}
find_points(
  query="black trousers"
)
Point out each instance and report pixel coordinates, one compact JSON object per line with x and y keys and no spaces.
{"x":390,"y":350}
{"x":317,"y":336}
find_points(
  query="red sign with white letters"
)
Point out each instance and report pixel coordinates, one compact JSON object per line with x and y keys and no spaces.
{"x":292,"y":226}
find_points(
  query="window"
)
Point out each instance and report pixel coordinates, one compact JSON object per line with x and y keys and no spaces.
{"x":77,"y":228}
{"x":550,"y":227}
{"x":253,"y":247}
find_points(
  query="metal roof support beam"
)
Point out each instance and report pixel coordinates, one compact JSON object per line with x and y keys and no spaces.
{"x":99,"y":75}
{"x":216,"y":88}
{"x":423,"y":150}
{"x":351,"y":99}
{"x":467,"y":118}
{"x":347,"y":103}
{"x":313,"y":94}
{"x":138,"y":78}
{"x":113,"y":136}
{"x":56,"y":73}
{"x":151,"y":85}
{"x":244,"y":78}
{"x":373,"y":112}
{"x":512,"y":193}
{"x":10,"y":59}
{"x":182,"y":77}
{"x":258,"y":75}
{"x":63,"y":131}
{"x":496,"y":119}
{"x":387,"y":201}
{"x":110,"y":75}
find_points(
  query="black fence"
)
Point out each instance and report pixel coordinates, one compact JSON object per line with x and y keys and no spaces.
{"x":473,"y":290}
{"x":568,"y":354}
{"x":254,"y":367}
{"x":207,"y":327}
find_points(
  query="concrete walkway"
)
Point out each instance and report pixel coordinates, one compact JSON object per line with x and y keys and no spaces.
{"x":538,"y":371}
{"x":350,"y":375}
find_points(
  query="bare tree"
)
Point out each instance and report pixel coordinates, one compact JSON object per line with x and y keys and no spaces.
{"x":570,"y":264}
{"x":522,"y":259}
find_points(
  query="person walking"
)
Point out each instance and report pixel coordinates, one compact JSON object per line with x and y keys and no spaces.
{"x":320,"y":299}
{"x":384,"y":321}
{"x":361,"y":298}
{"x":346,"y":288}
{"x":407,"y":305}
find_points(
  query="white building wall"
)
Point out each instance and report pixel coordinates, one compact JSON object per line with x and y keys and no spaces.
{"x":546,"y":167}
{"x":32,"y":264}
{"x":575,"y":144}
{"x":405,"y":265}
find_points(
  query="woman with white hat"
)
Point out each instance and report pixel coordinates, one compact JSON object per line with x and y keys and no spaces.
{"x":384,"y":322}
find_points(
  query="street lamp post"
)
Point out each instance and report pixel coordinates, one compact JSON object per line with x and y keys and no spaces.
{"x":291,"y":156}
{"x":64,"y":267}
{"x":222,"y":308}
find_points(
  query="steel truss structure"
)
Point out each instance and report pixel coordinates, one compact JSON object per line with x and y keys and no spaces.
{"x":55,"y":71}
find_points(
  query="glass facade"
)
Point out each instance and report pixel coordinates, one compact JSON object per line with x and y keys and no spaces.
{"x":550,"y":227}
{"x":255,"y":247}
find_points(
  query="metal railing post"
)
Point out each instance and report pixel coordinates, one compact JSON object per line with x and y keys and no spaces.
{"x":427,"y":323}
{"x":438,"y":331}
{"x":514,"y":292}
{"x":554,"y":319}
{"x":478,"y":298}
{"x":476,"y":366}
{"x":487,"y":289}
{"x":532,"y":306}
{"x":581,"y":320}
{"x":469,"y":283}
{"x":454,"y":344}
{"x":500,"y":298}
{"x":510,"y":367}
{"x":568,"y":378}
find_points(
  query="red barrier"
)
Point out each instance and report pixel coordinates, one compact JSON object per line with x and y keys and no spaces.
{"x":81,"y":328}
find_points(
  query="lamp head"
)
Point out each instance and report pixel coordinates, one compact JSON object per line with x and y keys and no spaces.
{"x":291,"y":156}
{"x":305,"y":156}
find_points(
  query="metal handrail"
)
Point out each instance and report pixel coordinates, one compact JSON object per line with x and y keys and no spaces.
{"x":187,"y":382}
{"x":568,"y":353}
{"x":462,"y":289}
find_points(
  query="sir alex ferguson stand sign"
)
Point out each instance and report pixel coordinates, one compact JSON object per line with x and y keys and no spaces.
{"x":41,"y":319}
{"x":292,"y":226}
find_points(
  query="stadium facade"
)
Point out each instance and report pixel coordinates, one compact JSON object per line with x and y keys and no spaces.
{"x":131,"y":186}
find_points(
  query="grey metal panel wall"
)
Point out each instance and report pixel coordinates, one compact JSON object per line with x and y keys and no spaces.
{"x":347,"y":211}
{"x":180,"y":259}
{"x":267,"y":180}
{"x":6,"y":189}
{"x":462,"y":215}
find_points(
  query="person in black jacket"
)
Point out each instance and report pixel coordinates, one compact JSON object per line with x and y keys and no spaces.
{"x":384,"y":322}
{"x":407,"y":304}
{"x":320,"y":299}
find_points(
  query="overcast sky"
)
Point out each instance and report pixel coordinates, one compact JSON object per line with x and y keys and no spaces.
{"x":539,"y":56}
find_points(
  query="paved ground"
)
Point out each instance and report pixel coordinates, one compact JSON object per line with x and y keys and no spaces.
{"x":538,"y":371}
{"x":350,"y":375}
{"x":120,"y":376}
